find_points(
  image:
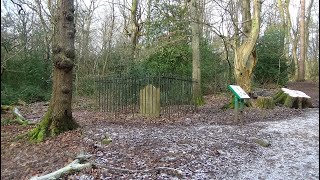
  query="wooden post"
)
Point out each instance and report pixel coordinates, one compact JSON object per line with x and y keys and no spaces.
{"x":239,"y":96}
{"x":236,"y":108}
{"x":241,"y":111}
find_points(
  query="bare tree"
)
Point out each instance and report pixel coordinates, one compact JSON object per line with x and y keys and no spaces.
{"x":134,"y":27}
{"x":291,"y":35}
{"x":84,"y":64}
{"x":107,"y":38}
{"x":245,"y":56}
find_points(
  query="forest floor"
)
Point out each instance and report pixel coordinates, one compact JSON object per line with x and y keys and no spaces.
{"x":203,"y":145}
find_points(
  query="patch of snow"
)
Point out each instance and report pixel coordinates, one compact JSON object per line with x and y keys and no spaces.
{"x":206,"y":151}
{"x":294,"y":151}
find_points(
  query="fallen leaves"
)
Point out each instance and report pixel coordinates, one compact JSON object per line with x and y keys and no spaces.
{"x":202,"y":145}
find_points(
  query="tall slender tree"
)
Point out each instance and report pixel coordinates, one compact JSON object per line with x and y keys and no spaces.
{"x":307,"y":35}
{"x":301,"y":71}
{"x":134,"y":27}
{"x":58,"y":117}
{"x":196,"y":72}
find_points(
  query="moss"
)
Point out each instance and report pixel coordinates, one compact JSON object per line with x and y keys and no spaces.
{"x":277,"y":94}
{"x":230,"y":105}
{"x":281,"y":98}
{"x":6,"y":121}
{"x":265,"y":102}
{"x":289,"y":101}
{"x":106,"y":141}
{"x":199,"y":101}
{"x":50,"y":128}
{"x":248,"y":103}
{"x":262,"y":142}
{"x":21,"y":136}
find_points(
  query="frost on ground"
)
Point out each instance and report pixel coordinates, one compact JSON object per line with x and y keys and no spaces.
{"x":202,"y":145}
{"x":294,"y":153}
{"x":206,"y":151}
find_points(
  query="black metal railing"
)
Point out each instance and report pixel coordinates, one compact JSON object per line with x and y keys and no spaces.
{"x":125,"y":94}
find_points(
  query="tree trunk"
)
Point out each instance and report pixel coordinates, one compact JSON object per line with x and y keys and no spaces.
{"x":292,"y":98}
{"x":107,"y":44}
{"x":245,"y":55}
{"x":264,"y":102}
{"x":307,"y":33}
{"x":148,"y":23}
{"x":301,"y":71}
{"x":58,"y":118}
{"x":196,"y":73}
{"x":290,"y":38}
{"x":285,"y":28}
{"x":134,"y":30}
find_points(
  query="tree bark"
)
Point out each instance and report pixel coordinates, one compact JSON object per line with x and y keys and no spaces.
{"x":307,"y":27}
{"x":245,"y":55}
{"x":148,"y":23}
{"x":285,"y":28}
{"x":301,"y":71}
{"x":196,"y":73}
{"x":59,"y":118}
{"x":134,"y":29}
{"x":264,"y":102}
{"x":291,"y":39}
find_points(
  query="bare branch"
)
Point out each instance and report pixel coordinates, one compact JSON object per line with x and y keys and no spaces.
{"x":20,"y":6}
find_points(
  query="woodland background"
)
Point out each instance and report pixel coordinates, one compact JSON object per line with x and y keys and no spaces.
{"x":151,"y":36}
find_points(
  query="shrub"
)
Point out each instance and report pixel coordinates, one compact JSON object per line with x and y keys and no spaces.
{"x":272,"y":66}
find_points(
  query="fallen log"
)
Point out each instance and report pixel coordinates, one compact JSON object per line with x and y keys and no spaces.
{"x":292,"y":99}
{"x":74,"y":166}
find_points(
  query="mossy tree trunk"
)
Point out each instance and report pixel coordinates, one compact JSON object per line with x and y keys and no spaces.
{"x":59,"y":118}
